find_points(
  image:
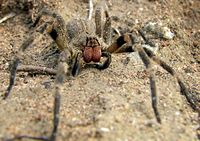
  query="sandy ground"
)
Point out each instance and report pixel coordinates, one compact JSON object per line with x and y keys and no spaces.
{"x":113,"y":104}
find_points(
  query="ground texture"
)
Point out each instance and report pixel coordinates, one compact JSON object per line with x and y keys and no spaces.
{"x":113,"y":104}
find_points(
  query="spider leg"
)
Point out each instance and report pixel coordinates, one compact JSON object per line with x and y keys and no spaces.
{"x":62,"y":70}
{"x":147,"y":62}
{"x":107,"y":61}
{"x":56,"y":115}
{"x":129,"y":40}
{"x":76,"y":65}
{"x":13,"y":70}
{"x":107,"y":28}
{"x":19,"y":137}
{"x":122,"y":44}
{"x":56,"y":30}
{"x":170,"y":70}
{"x":36,"y":69}
{"x":51,"y":71}
{"x":98,"y":20}
{"x":90,"y":10}
{"x":103,"y":30}
{"x":118,"y":47}
{"x":14,"y":64}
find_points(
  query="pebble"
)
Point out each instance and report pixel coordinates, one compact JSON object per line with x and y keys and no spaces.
{"x":104,"y":129}
{"x":157,"y":29}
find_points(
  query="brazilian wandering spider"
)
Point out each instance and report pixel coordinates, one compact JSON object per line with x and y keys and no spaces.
{"x":82,"y":40}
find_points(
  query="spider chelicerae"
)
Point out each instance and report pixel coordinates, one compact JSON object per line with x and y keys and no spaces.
{"x":81,"y":40}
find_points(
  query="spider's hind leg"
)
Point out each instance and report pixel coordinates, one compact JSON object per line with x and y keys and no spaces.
{"x":98,"y":21}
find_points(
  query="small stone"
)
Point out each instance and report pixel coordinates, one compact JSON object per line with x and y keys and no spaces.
{"x":104,"y":129}
{"x":115,"y":18}
{"x":167,"y":34}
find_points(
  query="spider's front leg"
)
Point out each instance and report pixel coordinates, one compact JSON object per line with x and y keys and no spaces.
{"x":55,"y":27}
{"x":13,"y":66}
{"x":184,"y":90}
{"x":58,"y":33}
{"x":124,"y":43}
{"x":62,"y":71}
{"x":55,"y":32}
{"x":147,"y":62}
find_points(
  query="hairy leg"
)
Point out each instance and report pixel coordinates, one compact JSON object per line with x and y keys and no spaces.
{"x":147,"y":62}
{"x":193,"y":103}
{"x":36,"y":69}
{"x":62,"y":70}
{"x":169,"y":69}
{"x":103,"y":29}
{"x":107,"y":28}
{"x":56,"y":29}
{"x":123,"y":43}
{"x":98,"y":20}
{"x":90,"y":9}
{"x":76,"y":65}
{"x":14,"y":65}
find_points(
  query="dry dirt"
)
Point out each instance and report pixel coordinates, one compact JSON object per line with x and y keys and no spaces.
{"x":113,"y":104}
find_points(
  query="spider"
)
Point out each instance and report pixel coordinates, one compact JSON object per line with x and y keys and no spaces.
{"x":81,"y":40}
